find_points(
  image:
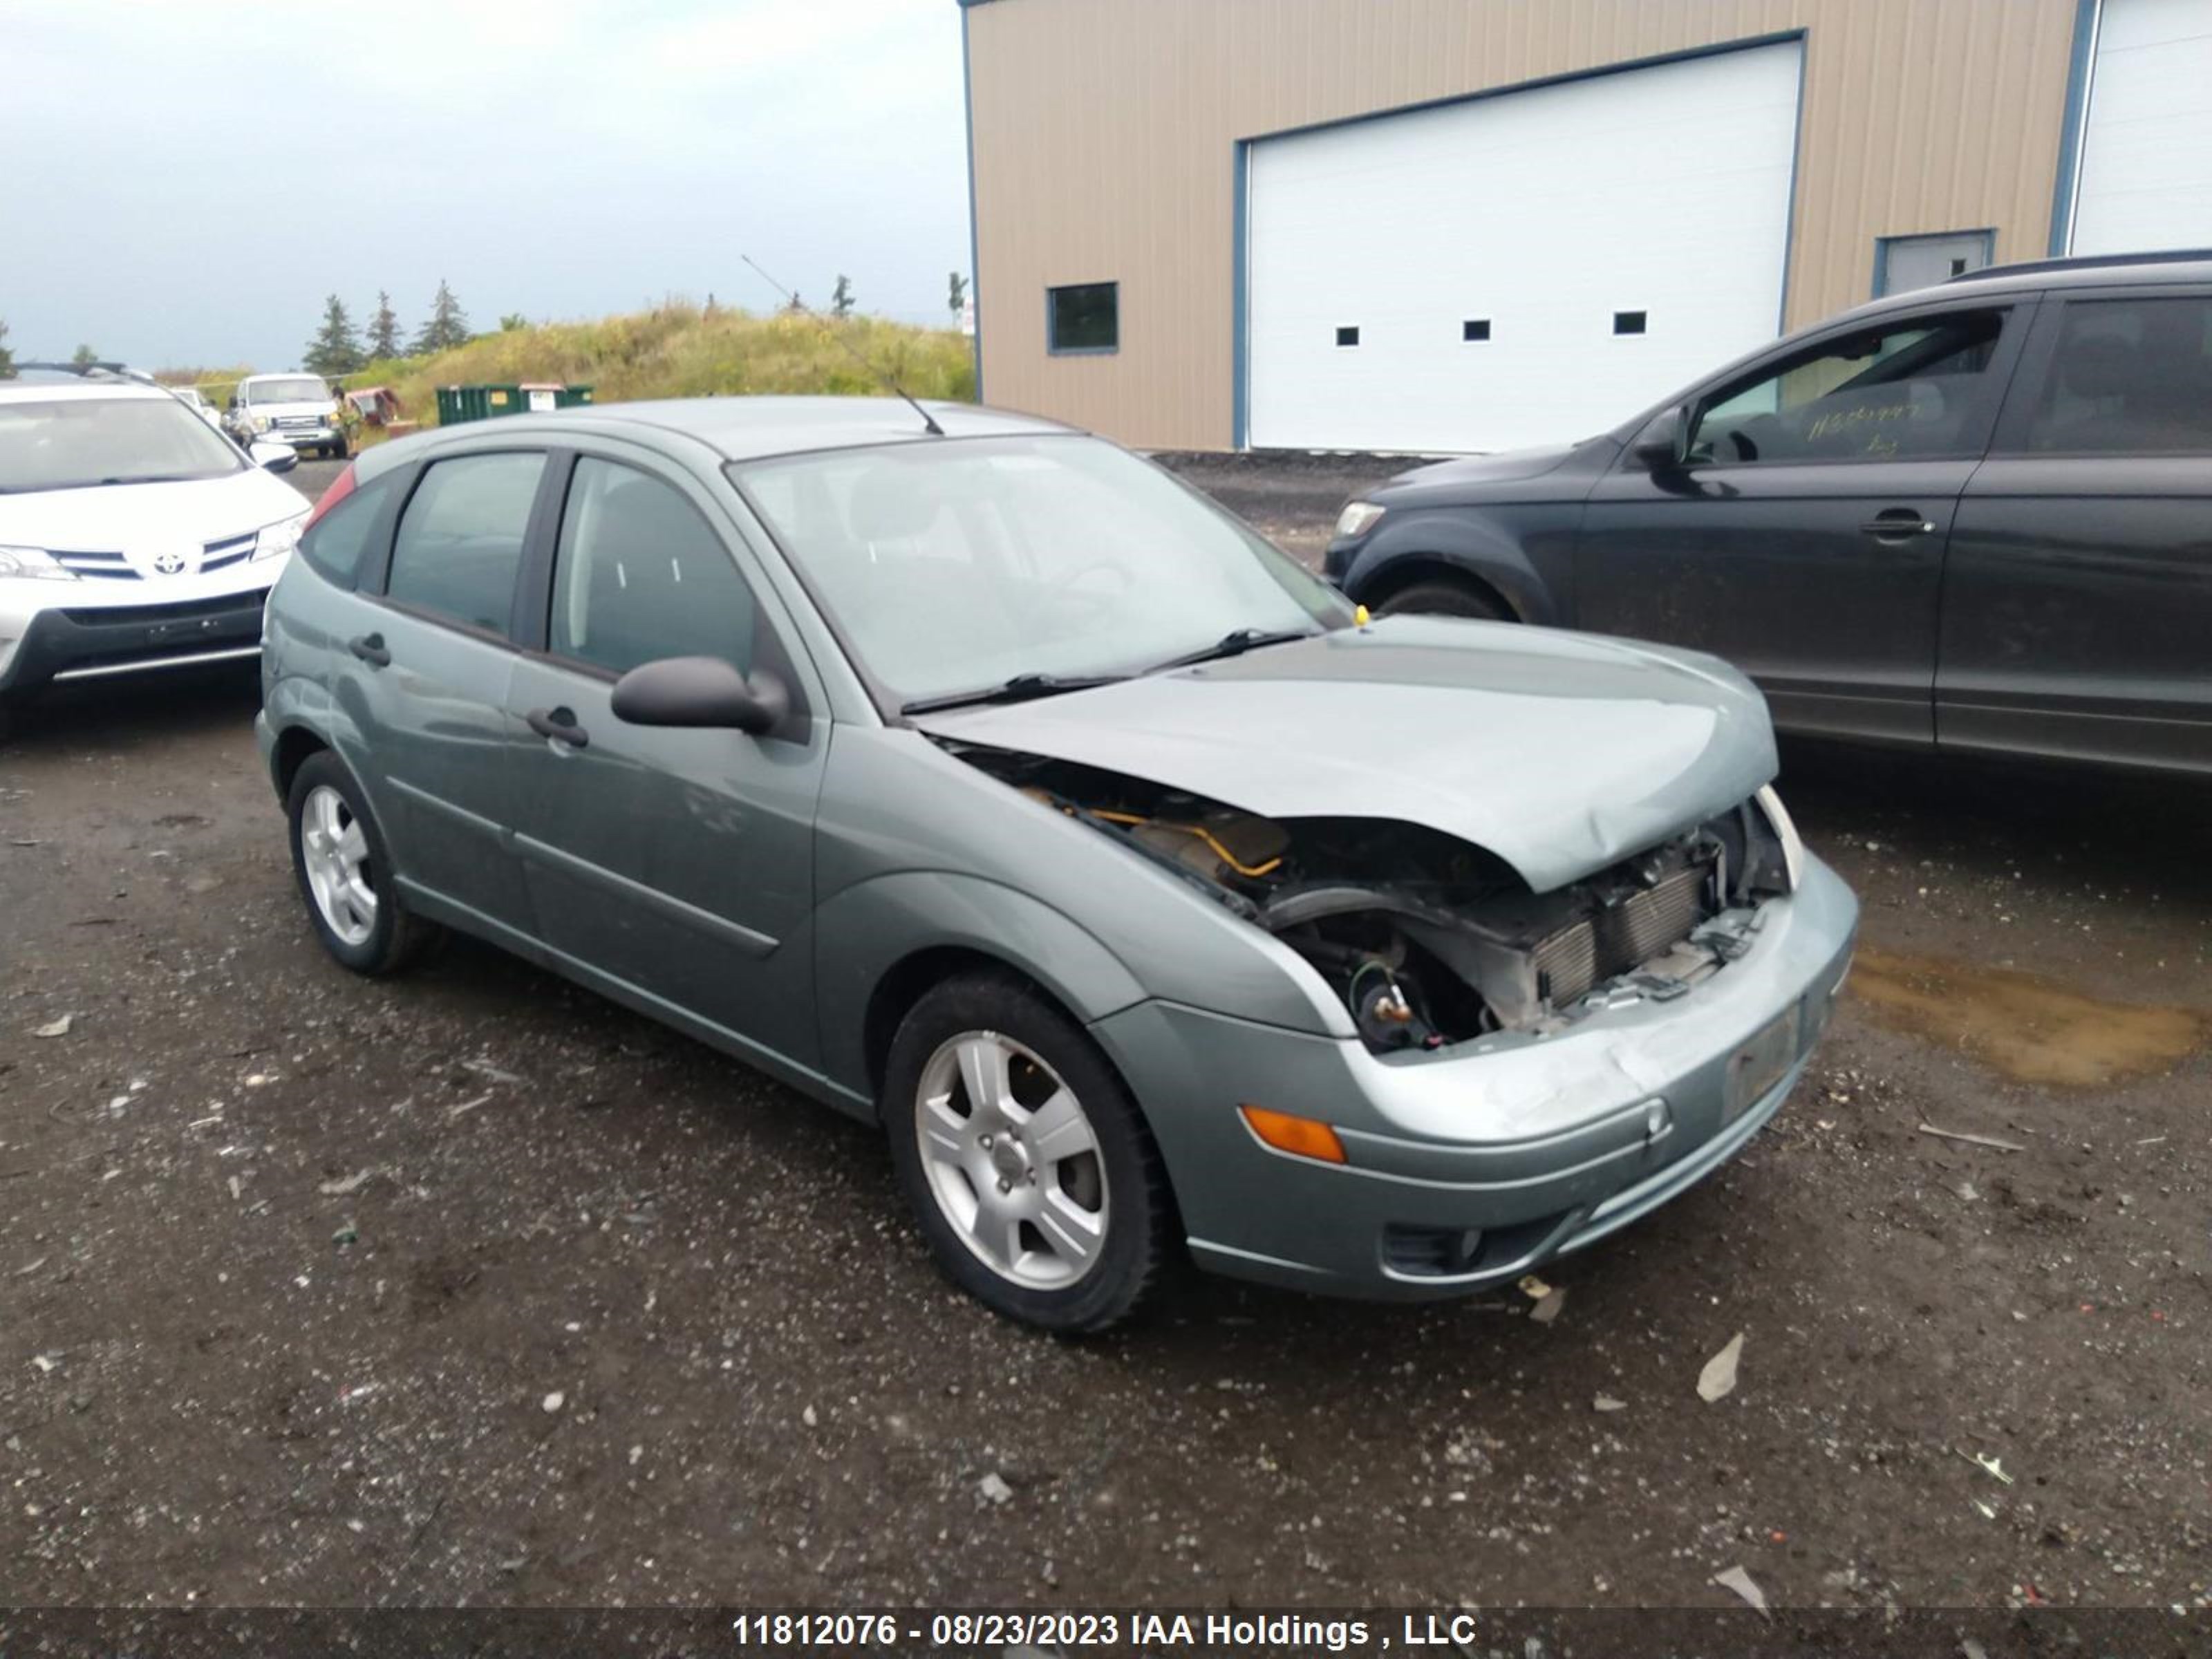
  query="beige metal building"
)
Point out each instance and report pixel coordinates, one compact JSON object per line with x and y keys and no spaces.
{"x":1452,"y":224}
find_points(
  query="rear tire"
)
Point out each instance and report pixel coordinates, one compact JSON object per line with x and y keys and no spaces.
{"x":1441,"y":597}
{"x":1040,"y":1192}
{"x":345,"y":872}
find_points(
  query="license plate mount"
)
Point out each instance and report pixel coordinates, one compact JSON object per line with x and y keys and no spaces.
{"x":1755,"y":1069}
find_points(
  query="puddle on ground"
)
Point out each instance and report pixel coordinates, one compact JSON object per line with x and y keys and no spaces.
{"x":2030,"y":1028}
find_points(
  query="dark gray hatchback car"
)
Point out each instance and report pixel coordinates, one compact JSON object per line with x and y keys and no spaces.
{"x":1975,"y":517}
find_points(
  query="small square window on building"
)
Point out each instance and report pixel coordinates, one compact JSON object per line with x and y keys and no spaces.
{"x":1083,"y":316}
{"x":1628,"y":322}
{"x":1348,"y":336}
{"x":1474,"y":328}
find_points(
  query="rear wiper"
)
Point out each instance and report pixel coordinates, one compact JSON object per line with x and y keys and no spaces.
{"x":1017,"y":689}
{"x":1235,"y":643}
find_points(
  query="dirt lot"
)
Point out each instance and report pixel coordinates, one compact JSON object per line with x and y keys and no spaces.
{"x":472,"y":1286}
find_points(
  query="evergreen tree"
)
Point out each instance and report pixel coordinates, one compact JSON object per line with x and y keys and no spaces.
{"x":956,"y":295}
{"x":511,"y":321}
{"x":336,"y":349}
{"x":840,"y":298}
{"x":7,"y":357}
{"x":84,"y":356}
{"x":447,"y":326}
{"x":383,"y":329}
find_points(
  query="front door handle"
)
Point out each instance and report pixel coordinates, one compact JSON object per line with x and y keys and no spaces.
{"x":370,"y":649}
{"x":1896,"y":523}
{"x":559,"y":725}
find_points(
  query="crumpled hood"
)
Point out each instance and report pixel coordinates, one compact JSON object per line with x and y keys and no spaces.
{"x":148,"y":518}
{"x":1561,"y":753}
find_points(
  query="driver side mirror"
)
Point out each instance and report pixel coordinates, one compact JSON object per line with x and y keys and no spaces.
{"x":700,"y":691}
{"x":1664,"y":446}
{"x":273,"y":458}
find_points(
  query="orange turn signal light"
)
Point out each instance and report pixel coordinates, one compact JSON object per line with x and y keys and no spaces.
{"x":1301,"y":1137}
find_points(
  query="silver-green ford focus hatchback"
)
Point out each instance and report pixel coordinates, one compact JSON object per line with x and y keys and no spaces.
{"x":981,"y":779}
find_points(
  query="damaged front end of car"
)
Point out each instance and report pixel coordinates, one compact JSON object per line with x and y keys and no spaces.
{"x":1431,"y":941}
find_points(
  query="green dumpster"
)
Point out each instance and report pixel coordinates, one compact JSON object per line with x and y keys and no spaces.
{"x":456,"y":403}
{"x":569,"y":396}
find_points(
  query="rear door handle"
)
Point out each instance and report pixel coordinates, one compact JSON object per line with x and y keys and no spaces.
{"x":559,"y":725}
{"x":370,"y":649}
{"x":1897,"y":523}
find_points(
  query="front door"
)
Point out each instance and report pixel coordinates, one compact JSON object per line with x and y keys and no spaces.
{"x":1802,"y":536}
{"x":427,"y":671}
{"x":2078,"y":606}
{"x":675,"y":864}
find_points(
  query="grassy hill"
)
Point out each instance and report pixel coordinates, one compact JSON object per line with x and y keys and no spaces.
{"x":682,"y":350}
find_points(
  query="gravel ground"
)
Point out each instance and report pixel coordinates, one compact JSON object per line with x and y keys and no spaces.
{"x":472,"y":1286}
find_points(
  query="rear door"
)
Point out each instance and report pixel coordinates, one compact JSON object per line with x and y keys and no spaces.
{"x":1804,"y":539}
{"x":676,"y":864}
{"x":2077,"y":605}
{"x":428,"y":677}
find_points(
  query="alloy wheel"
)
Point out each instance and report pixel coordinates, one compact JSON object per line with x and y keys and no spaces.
{"x":334,"y":852}
{"x":1012,"y":1160}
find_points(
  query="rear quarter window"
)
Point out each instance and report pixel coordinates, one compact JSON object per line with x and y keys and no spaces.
{"x":334,"y":548}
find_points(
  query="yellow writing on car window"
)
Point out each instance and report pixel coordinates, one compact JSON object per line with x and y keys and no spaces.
{"x":1828,"y":425}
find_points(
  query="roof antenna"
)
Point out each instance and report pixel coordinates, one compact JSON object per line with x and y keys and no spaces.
{"x":928,"y":421}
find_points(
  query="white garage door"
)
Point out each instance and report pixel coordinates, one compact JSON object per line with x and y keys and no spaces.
{"x":2146,"y":173}
{"x":1519,"y":269}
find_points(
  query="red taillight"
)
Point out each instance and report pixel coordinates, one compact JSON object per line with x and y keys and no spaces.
{"x":341,"y":487}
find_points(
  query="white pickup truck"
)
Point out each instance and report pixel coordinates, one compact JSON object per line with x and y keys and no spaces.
{"x":299,"y":409}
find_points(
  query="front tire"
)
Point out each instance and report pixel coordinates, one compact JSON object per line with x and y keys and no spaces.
{"x":1034,"y":1179}
{"x":344,"y":870}
{"x":1442,"y":598}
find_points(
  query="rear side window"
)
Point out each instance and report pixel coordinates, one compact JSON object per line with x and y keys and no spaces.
{"x":459,"y":542}
{"x":2130,"y":376}
{"x":335,"y":546}
{"x":639,"y":575}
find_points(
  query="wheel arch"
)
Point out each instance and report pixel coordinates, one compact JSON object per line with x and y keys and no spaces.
{"x":1415,"y":568}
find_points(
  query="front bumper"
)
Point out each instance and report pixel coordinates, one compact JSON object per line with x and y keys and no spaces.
{"x":69,"y":642}
{"x":300,"y":437}
{"x":1468,"y":1167}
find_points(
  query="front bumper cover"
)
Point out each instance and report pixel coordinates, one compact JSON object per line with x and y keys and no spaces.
{"x":1540,"y":1145}
{"x":96,"y":642}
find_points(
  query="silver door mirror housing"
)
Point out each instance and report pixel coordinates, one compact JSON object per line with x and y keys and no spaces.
{"x":700,"y":691}
{"x":273,"y":458}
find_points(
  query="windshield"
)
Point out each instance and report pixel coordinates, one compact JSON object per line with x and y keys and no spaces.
{"x":959,"y":564}
{"x":69,"y":443}
{"x":303,"y":389}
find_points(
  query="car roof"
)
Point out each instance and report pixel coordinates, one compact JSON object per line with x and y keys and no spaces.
{"x":2040,"y":276}
{"x":21,"y":391}
{"x":752,"y":429}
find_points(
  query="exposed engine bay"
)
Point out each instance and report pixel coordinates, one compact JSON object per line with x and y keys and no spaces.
{"x":1431,"y":941}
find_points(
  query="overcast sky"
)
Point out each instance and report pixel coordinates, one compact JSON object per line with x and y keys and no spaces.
{"x":182,"y":183}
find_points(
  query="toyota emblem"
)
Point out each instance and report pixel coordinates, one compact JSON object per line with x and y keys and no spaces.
{"x":169,"y":563}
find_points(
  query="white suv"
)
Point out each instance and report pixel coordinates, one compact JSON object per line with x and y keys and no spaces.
{"x":132,"y":536}
{"x":299,"y":409}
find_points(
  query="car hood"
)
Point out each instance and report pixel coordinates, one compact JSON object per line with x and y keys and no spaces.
{"x":147,"y":518}
{"x":1507,"y":466}
{"x":1561,"y":753}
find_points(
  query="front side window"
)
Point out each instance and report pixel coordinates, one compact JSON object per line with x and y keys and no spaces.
{"x":460,"y":541}
{"x":1911,"y":391}
{"x":640,"y":576}
{"x":1083,"y":317}
{"x":2130,"y":376}
{"x":956,"y":564}
{"x":79,"y":443}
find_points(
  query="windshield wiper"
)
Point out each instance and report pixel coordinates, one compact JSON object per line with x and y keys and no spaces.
{"x":1019,"y":689}
{"x":1236,"y":643}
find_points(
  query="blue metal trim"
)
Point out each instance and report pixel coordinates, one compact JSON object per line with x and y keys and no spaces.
{"x":1987,"y":232}
{"x":2087,"y":15}
{"x":975,"y":257}
{"x":1240,"y":345}
{"x":1750,"y":43}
